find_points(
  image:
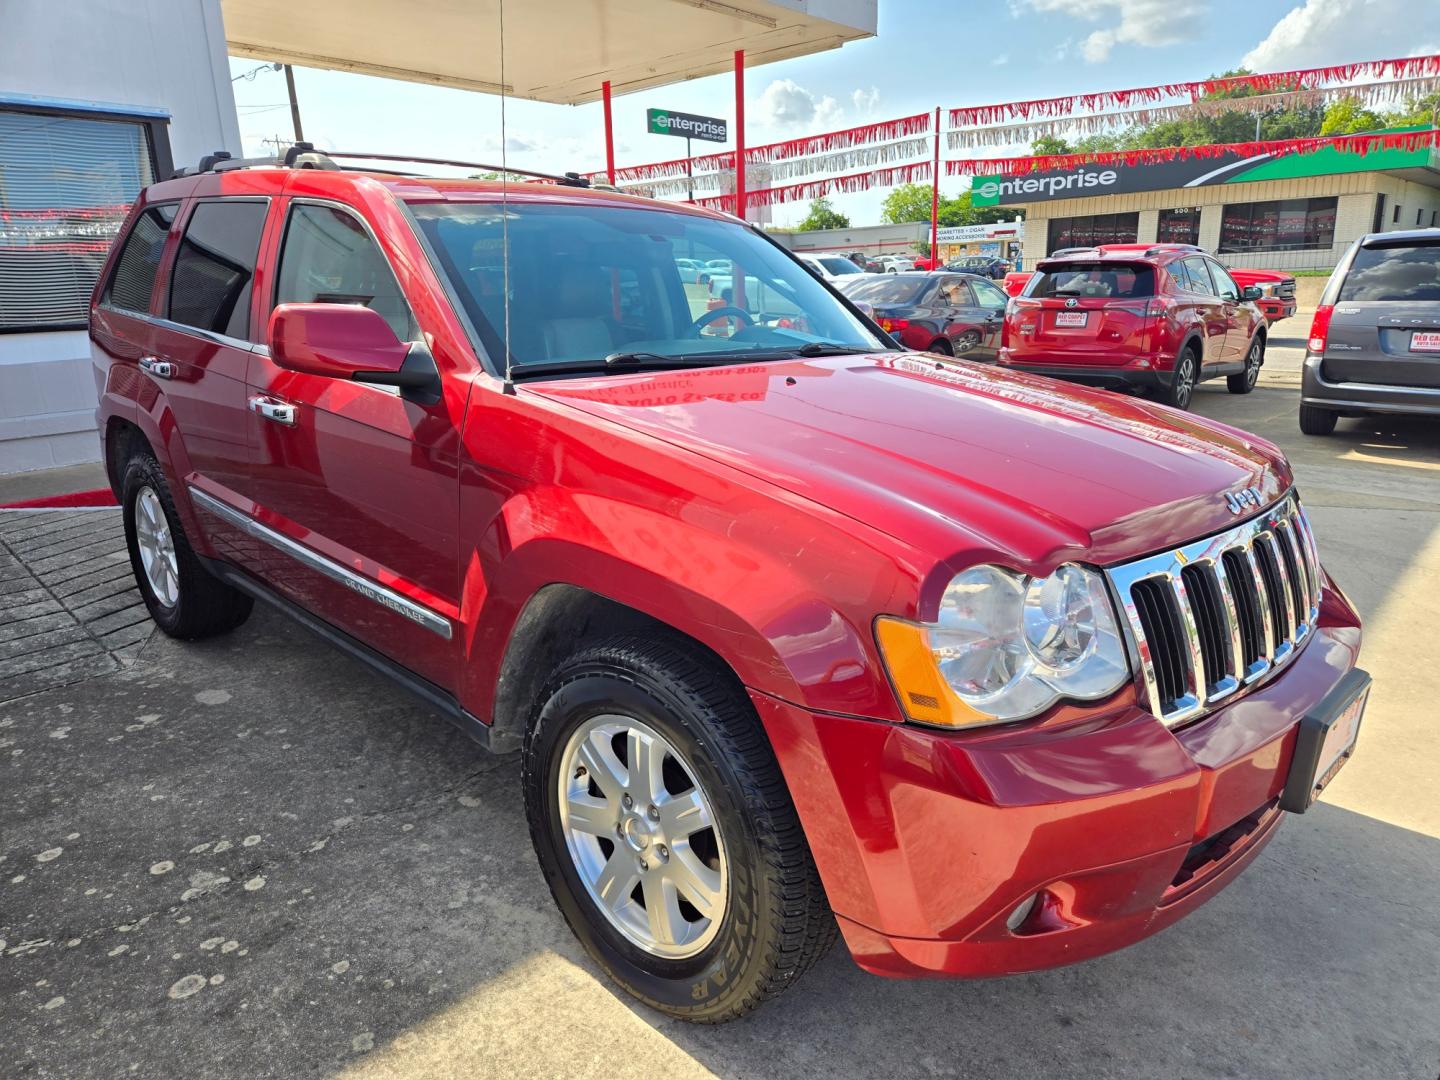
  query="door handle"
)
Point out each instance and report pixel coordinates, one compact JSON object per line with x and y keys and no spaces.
{"x":161,"y":369}
{"x":274,"y":410}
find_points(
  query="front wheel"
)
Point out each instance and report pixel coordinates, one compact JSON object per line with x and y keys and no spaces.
{"x":666,"y":834}
{"x":1244,"y":382}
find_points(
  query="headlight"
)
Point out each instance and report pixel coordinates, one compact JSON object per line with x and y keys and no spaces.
{"x":1006,"y":647}
{"x":1268,"y":289}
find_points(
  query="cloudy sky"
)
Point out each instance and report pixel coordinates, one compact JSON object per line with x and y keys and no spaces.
{"x":927,"y":53}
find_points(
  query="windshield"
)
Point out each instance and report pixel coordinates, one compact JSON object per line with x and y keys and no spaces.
{"x":887,"y":289}
{"x":1093,"y":280}
{"x":1409,"y":271}
{"x":838,"y":266}
{"x":590,"y":282}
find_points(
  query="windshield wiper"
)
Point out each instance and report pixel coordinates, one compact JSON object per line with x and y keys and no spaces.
{"x":630,"y":359}
{"x":620,"y":361}
{"x":828,"y":348}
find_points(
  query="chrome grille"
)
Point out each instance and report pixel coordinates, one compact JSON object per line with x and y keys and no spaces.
{"x":1221,"y":613}
{"x":1287,"y":288}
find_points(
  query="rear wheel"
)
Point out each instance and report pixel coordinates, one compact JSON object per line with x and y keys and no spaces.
{"x":967,"y":342}
{"x":184,"y":599}
{"x":1182,"y":379}
{"x":1244,"y":382}
{"x":666,"y":834}
{"x":1315,"y":421}
{"x":942,"y":346}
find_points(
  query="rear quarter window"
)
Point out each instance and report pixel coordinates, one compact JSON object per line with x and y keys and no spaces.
{"x":1093,"y":280}
{"x":134,"y":277}
{"x":1394,"y":272}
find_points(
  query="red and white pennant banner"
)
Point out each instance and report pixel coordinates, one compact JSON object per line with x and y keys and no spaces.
{"x":826,"y":143}
{"x":1350,"y":144}
{"x":1411,"y":67}
{"x":1369,"y":94}
{"x":830,"y":185}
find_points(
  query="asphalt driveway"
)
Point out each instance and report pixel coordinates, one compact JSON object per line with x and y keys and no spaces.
{"x":250,"y":857}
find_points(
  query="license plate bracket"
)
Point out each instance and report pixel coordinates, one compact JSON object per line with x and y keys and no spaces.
{"x":1325,"y":740}
{"x":1424,"y":341}
{"x":1072,"y":320}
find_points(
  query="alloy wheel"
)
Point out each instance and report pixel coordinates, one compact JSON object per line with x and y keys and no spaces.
{"x":1252,"y":364}
{"x":157,"y":547}
{"x":643,"y":836}
{"x":1184,"y":380}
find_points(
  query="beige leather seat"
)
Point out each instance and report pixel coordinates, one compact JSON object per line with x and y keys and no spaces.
{"x":583,"y":328}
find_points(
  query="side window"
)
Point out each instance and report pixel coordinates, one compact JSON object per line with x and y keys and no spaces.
{"x":988,"y":295}
{"x":1199,"y":274}
{"x":1224,"y":283}
{"x":329,"y":258}
{"x":134,"y":277}
{"x":210,"y":286}
{"x":1180,"y":276}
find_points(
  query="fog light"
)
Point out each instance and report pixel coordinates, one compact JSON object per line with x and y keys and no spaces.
{"x":1142,"y":361}
{"x":1022,"y":911}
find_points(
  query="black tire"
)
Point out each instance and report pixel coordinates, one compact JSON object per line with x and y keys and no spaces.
{"x":1315,"y":421}
{"x":777,"y":921}
{"x":942,"y":346}
{"x":1244,"y":382}
{"x":204,"y":606}
{"x":1183,"y":379}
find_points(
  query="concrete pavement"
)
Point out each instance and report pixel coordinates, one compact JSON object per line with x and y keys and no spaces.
{"x":249,"y":857}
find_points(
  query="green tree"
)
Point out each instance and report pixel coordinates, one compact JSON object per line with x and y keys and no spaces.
{"x":823,"y":216}
{"x":907,"y":202}
{"x":911,"y":202}
{"x":1348,"y":116}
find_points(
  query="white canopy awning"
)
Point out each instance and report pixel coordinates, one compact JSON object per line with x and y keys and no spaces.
{"x":555,"y":50}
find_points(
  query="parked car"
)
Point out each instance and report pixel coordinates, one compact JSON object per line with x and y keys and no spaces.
{"x":1014,"y":282}
{"x":1277,"y":291}
{"x":1375,"y":340}
{"x":949,"y":314}
{"x":830,"y":267}
{"x":1159,"y":318}
{"x":895,"y":264}
{"x":798,"y":635}
{"x":987,"y":266}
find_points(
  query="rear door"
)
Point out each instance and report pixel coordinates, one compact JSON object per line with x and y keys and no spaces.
{"x":990,"y":304}
{"x":202,"y":342}
{"x":1087,"y":313}
{"x":1385,"y":328}
{"x":1210,"y":312}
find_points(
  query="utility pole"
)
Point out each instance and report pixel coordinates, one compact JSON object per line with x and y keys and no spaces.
{"x":294,"y":104}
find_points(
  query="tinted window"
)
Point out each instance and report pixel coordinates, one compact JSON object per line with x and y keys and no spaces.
{"x":1089,"y":231}
{"x":838,"y":266}
{"x":988,"y":295}
{"x":329,"y":258}
{"x":1093,"y":279}
{"x":1224,"y":284}
{"x":886,"y":289}
{"x":210,"y":286}
{"x":952,"y":292}
{"x":1180,"y":225}
{"x":1198,"y":275}
{"x":1284,"y":225}
{"x":1407,"y":271}
{"x":135,"y":269}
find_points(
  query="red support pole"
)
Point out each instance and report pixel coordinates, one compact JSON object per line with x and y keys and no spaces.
{"x":935,"y":198}
{"x":740,"y":134}
{"x":609,"y":132}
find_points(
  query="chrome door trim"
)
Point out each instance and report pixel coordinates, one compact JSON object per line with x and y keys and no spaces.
{"x":371,"y":590}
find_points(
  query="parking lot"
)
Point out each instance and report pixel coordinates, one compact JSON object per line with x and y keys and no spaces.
{"x":250,"y":857}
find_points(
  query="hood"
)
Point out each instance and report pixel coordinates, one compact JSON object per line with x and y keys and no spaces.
{"x":1255,"y":277}
{"x":956,"y":459}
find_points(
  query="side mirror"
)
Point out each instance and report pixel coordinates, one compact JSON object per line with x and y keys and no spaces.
{"x":1251,"y":292}
{"x":342,"y":341}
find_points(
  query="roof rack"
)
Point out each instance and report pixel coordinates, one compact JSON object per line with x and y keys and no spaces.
{"x":303,"y":155}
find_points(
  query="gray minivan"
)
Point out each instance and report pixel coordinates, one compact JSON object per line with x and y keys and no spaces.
{"x":1375,"y":344}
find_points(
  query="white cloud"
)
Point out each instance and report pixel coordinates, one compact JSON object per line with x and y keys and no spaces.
{"x":786,"y":104}
{"x":1319,"y":32}
{"x":866,"y":100}
{"x":1001,"y":60}
{"x":1149,"y":23}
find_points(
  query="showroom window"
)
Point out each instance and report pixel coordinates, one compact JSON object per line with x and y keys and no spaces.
{"x":1179,"y":226}
{"x":1089,"y":231}
{"x":210,"y":285}
{"x":67,"y":179}
{"x":1283,"y":225}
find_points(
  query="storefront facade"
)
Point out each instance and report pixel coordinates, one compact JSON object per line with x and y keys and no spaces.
{"x":1002,"y":240}
{"x":1294,"y":212}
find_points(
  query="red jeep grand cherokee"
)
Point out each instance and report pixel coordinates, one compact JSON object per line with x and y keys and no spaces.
{"x":796,"y":632}
{"x":1157,"y":317}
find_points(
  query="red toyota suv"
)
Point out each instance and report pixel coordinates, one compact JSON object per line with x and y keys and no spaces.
{"x":1154,"y":317}
{"x":797,"y":633}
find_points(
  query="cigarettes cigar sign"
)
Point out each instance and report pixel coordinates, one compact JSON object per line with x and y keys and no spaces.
{"x":1193,"y":172}
{"x":686,"y":125}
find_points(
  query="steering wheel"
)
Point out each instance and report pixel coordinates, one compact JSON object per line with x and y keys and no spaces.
{"x":729,"y":311}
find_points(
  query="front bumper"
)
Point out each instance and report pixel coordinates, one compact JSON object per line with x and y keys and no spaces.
{"x":1359,"y":398}
{"x":1274,"y":308}
{"x":928,"y":842}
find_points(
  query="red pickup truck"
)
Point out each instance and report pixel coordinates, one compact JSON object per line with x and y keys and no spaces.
{"x":798,"y":634}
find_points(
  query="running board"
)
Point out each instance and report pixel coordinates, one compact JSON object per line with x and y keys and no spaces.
{"x":439,"y":701}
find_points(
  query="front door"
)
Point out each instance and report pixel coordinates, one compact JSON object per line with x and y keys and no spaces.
{"x":1239,"y":318}
{"x":356,"y":489}
{"x":1214,"y":319}
{"x":990,"y":304}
